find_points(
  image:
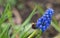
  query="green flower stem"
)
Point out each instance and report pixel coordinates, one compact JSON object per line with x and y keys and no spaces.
{"x":28,"y":33}
{"x":36,"y":32}
{"x":39,"y":34}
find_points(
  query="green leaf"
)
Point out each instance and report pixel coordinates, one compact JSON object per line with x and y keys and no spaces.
{"x":5,"y":29}
{"x":25,"y":30}
{"x":25,"y":22}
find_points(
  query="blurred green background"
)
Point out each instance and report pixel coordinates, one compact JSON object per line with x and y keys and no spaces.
{"x":18,"y":16}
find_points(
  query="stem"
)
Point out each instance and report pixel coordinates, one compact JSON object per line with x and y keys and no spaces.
{"x":35,"y":33}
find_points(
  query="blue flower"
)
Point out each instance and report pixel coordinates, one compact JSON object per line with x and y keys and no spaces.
{"x":44,"y":22}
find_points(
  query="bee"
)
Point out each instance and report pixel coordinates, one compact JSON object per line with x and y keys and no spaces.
{"x":44,"y":21}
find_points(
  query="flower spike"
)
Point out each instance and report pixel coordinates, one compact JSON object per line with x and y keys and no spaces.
{"x":44,"y":22}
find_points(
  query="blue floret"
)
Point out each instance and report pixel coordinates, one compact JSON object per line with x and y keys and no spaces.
{"x":44,"y":22}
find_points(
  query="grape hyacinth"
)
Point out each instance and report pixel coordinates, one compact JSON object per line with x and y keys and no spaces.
{"x":44,"y":22}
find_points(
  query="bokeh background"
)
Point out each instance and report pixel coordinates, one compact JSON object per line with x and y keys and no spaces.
{"x":20,"y":10}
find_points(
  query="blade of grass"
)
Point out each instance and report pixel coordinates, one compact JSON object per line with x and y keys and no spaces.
{"x":39,"y":34}
{"x":4,"y":30}
{"x":26,"y":21}
{"x":34,"y":33}
{"x":8,"y":14}
{"x":3,"y":17}
{"x":55,"y":26}
{"x":25,"y":30}
{"x":40,"y":9}
{"x":27,"y":34}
